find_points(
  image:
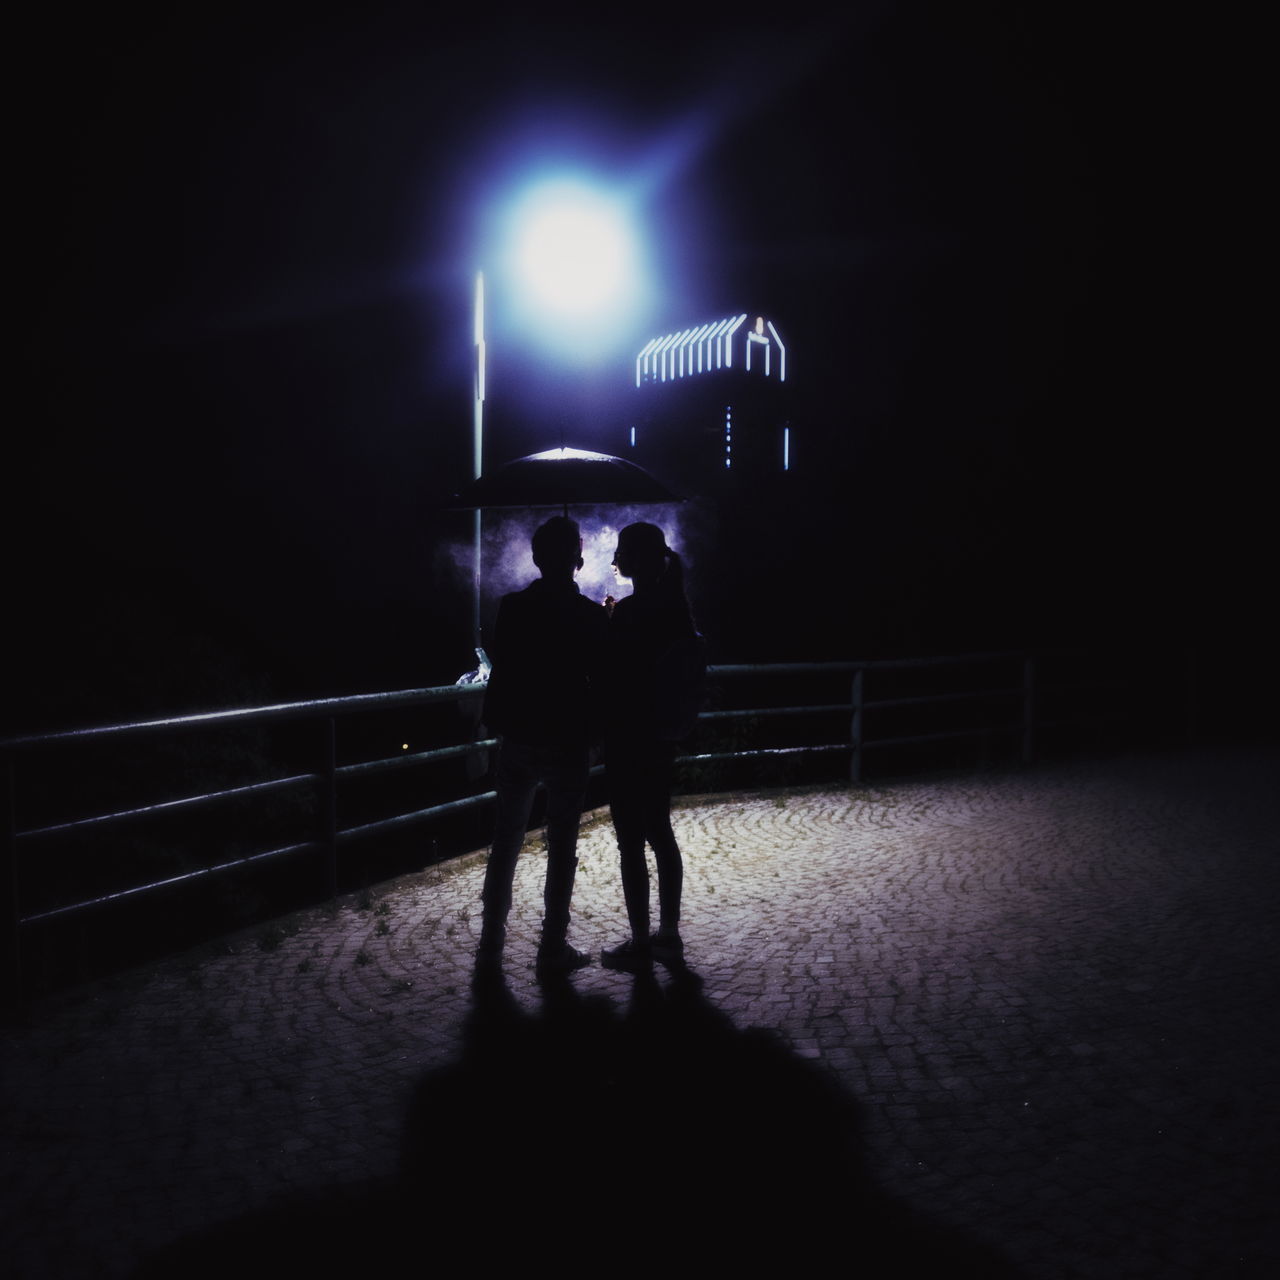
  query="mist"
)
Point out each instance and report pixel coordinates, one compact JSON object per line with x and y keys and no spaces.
{"x":507,"y":558}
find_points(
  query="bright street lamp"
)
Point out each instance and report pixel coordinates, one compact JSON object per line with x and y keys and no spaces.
{"x":573,"y":253}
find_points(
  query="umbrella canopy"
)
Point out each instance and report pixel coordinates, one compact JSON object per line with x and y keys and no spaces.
{"x":564,"y":478}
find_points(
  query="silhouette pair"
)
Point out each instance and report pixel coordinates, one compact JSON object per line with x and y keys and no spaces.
{"x":567,"y":675}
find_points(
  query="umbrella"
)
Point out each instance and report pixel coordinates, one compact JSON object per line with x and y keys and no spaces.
{"x":564,"y":477}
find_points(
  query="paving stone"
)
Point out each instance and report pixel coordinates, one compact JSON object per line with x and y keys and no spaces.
{"x":1047,"y":997}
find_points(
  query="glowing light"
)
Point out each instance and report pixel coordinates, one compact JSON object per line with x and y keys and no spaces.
{"x":715,"y":341}
{"x":478,"y":335}
{"x":642,"y":360}
{"x":573,"y":249}
{"x":576,"y":281}
{"x":661,"y":354}
{"x":782,"y":354}
{"x":686,"y":353}
{"x":675,"y":353}
{"x":728,"y":341}
{"x":758,"y":336}
{"x":709,"y":346}
{"x":699,"y":348}
{"x":786,"y":448}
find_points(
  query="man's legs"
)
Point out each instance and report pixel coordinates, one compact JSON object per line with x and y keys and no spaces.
{"x":516,"y":783}
{"x":565,"y":776}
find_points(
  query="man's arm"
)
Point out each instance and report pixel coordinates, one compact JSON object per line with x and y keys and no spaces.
{"x":493,"y":712}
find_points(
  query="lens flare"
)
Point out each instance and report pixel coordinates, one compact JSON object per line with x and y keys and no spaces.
{"x":573,"y":248}
{"x":574,"y":272}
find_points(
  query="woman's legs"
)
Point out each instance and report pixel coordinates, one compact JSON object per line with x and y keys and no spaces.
{"x":640,"y":805}
{"x":626,"y":807}
{"x":658,"y":832}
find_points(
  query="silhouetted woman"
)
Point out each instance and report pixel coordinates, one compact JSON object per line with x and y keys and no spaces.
{"x":655,"y":666}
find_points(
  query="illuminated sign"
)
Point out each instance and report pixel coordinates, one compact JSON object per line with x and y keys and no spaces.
{"x":758,"y":338}
{"x":709,"y":347}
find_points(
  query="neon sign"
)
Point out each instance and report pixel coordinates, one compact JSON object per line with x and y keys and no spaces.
{"x":709,"y":347}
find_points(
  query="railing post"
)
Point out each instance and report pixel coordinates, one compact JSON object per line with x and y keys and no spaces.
{"x":1028,"y":708}
{"x":855,"y":728}
{"x":329,"y":806}
{"x":9,"y":910}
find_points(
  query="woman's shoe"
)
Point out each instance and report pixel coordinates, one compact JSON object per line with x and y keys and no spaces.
{"x":631,"y":955}
{"x":667,"y":945}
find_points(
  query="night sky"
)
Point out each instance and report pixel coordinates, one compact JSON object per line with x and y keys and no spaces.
{"x":1004,"y":250}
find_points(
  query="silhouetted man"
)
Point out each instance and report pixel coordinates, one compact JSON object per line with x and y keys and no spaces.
{"x":547,"y":646}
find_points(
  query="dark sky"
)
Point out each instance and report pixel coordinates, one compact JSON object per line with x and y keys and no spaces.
{"x":999,"y":244}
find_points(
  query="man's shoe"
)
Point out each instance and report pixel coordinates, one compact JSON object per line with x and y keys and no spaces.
{"x":561,"y":959}
{"x":631,"y":955}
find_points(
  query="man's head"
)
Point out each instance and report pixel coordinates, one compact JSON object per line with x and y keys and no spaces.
{"x":557,"y":547}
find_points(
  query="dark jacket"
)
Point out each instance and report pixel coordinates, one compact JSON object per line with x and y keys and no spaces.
{"x":547,"y":649}
{"x":655,"y":670}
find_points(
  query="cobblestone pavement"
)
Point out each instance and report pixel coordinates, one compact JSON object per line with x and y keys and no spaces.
{"x":1047,"y":998}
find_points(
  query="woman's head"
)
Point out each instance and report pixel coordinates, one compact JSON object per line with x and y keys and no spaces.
{"x":656,"y":572}
{"x":642,"y":552}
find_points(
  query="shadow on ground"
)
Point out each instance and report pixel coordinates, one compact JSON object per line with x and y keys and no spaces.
{"x":651,"y":1135}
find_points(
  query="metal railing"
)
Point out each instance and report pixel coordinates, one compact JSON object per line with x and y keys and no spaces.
{"x":1020,"y":723}
{"x":833,"y":709}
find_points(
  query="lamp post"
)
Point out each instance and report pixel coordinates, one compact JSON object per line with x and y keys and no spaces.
{"x":477,"y":448}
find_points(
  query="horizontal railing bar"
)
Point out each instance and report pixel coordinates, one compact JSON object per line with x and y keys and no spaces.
{"x":275,"y":784}
{"x":419,"y":757}
{"x":867,"y":664}
{"x":370,"y":766}
{"x":927,"y":698}
{"x":940,"y":736}
{"x":308,"y":846}
{"x":402,"y":819}
{"x":826,"y":707}
{"x":254,"y":715}
{"x":451,"y":806}
{"x":848,"y":746}
{"x":785,"y":668}
{"x":768,"y":751}
{"x":952,"y":660}
{"x":775,"y":711}
{"x":419,"y":815}
{"x":866,"y":743}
